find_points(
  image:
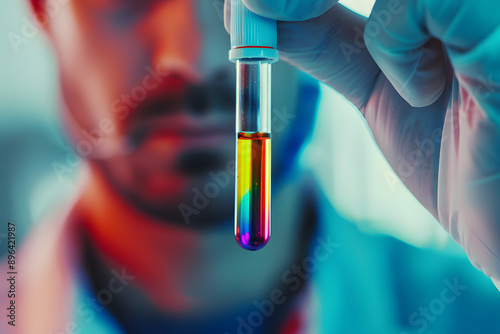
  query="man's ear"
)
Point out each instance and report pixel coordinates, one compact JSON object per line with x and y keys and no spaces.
{"x":37,"y":6}
{"x":39,"y":10}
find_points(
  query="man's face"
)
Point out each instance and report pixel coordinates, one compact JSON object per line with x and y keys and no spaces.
{"x":150,"y":99}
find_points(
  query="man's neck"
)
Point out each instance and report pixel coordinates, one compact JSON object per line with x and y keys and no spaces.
{"x":182,"y":271}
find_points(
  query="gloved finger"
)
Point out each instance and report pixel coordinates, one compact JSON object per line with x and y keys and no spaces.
{"x":470,"y":30}
{"x":401,"y":45}
{"x":289,"y":10}
{"x":277,"y":9}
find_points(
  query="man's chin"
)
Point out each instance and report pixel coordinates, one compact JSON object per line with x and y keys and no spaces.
{"x":196,"y":203}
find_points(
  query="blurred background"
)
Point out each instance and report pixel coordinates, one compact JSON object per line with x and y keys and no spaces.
{"x":341,"y":153}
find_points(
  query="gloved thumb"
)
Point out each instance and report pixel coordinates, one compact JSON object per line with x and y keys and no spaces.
{"x":282,"y":10}
{"x":289,"y":10}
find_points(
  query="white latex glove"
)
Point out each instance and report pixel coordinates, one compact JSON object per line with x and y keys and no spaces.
{"x":426,"y":76}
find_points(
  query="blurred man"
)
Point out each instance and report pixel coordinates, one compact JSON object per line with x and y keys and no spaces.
{"x":148,"y":98}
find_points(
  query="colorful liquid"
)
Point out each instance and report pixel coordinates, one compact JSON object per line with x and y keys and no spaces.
{"x":253,"y":190}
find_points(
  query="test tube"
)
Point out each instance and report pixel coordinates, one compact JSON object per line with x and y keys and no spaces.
{"x":253,"y":49}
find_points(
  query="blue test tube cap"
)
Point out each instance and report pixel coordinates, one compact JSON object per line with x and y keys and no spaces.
{"x":252,"y":36}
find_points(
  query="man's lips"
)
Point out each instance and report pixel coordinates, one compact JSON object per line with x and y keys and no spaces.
{"x":180,"y":143}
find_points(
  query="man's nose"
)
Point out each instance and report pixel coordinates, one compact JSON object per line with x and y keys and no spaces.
{"x":174,"y":38}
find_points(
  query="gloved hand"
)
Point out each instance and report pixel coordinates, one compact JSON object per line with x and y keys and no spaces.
{"x":426,"y":77}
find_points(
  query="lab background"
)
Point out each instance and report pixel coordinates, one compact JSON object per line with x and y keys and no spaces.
{"x":406,"y":256}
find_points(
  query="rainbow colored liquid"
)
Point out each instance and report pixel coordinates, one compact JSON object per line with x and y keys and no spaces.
{"x":253,"y":190}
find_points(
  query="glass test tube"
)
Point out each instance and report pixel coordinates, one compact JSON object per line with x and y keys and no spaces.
{"x":253,"y":153}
